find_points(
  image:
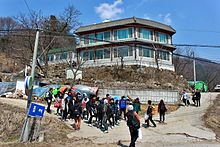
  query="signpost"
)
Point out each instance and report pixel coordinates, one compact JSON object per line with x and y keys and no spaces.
{"x":29,"y":87}
{"x":36,"y":110}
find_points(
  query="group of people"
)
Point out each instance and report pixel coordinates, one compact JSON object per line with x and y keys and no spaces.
{"x":103,"y":113}
{"x":196,"y":97}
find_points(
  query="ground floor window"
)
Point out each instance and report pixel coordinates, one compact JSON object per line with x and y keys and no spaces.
{"x":97,"y":54}
{"x":146,"y":52}
{"x":123,"y":51}
{"x":88,"y":55}
{"x":50,"y":57}
{"x":164,"y":55}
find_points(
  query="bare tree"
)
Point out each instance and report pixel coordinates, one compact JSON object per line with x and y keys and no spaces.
{"x":184,"y":66}
{"x":55,"y":34}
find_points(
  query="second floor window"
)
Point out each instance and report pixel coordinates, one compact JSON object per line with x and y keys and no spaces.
{"x":162,"y":38}
{"x":146,"y":34}
{"x":123,"y":33}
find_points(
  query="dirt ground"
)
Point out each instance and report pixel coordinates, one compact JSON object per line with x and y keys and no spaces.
{"x":191,"y":133}
{"x":212,"y":117}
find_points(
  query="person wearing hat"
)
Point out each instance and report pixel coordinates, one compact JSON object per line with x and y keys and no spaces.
{"x":133,"y":122}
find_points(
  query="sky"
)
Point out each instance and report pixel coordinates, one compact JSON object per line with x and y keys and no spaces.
{"x":195,"y":21}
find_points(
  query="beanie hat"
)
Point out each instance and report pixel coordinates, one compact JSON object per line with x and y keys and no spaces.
{"x":130,"y":108}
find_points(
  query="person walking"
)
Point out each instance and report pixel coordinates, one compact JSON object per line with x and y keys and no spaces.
{"x":137,"y":105}
{"x":122,"y":106}
{"x":162,"y":110}
{"x":198,"y":97}
{"x":49,"y":97}
{"x":133,"y":122}
{"x":76,"y":113}
{"x":150,"y":114}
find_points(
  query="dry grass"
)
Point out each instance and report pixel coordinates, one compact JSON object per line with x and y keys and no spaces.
{"x":211,"y":117}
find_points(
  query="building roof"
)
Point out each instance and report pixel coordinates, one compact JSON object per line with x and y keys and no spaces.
{"x":127,"y":21}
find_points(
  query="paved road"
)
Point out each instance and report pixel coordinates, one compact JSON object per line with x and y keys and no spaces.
{"x":183,"y":127}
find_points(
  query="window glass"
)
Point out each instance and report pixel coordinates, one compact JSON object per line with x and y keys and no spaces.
{"x":50,"y":57}
{"x":130,"y":52}
{"x":99,"y":37}
{"x":130,"y":32}
{"x":85,"y":55}
{"x":86,"y":39}
{"x":115,"y":52}
{"x":106,"y":53}
{"x":63,"y":56}
{"x":99,"y":54}
{"x":92,"y":38}
{"x":106,"y":35}
{"x":146,"y":52}
{"x":162,"y":37}
{"x":123,"y":51}
{"x":57,"y":56}
{"x":145,"y":34}
{"x":115,"y":35}
{"x":164,"y":55}
{"x":91,"y":55}
{"x":122,"y":34}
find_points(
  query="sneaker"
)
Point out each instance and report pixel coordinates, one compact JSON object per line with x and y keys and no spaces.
{"x":105,"y":131}
{"x":90,"y":125}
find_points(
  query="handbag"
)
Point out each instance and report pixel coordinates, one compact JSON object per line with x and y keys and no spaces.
{"x":146,"y":116}
{"x":140,"y":136}
{"x":56,"y":104}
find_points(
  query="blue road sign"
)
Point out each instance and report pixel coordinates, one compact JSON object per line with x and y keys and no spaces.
{"x":36,"y":110}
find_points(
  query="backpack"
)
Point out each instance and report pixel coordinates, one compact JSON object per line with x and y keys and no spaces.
{"x":100,"y":108}
{"x":133,"y":121}
{"x":163,"y":108}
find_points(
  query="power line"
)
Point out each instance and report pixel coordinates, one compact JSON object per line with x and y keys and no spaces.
{"x":198,"y":45}
{"x":60,"y":34}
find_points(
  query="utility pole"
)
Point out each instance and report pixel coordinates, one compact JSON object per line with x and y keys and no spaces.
{"x":194,"y":70}
{"x":25,"y":130}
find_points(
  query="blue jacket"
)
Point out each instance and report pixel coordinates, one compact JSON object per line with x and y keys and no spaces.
{"x":122,"y":103}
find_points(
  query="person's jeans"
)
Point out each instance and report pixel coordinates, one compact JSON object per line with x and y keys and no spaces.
{"x":150,"y":119}
{"x":48,"y":106}
{"x":162,"y":116}
{"x":134,"y":137}
{"x":123,"y":110}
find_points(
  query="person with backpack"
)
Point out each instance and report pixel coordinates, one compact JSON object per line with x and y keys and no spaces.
{"x":49,"y":97}
{"x":150,"y":114}
{"x":76,"y":112}
{"x":162,"y":109}
{"x":122,"y":106}
{"x":100,"y":112}
{"x":116,"y":112}
{"x":85,"y":112}
{"x":65,"y":108}
{"x":104,"y":119}
{"x":137,"y":105}
{"x":133,"y":122}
